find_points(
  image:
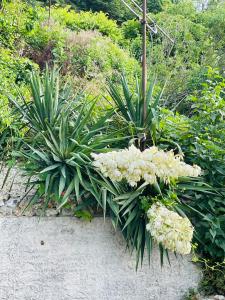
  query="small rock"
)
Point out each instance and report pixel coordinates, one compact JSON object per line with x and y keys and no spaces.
{"x":11,"y":203}
{"x":2,"y":203}
{"x":51,"y":212}
{"x":28,"y":213}
{"x":216,"y":297}
{"x":219,"y":297}
{"x":6,"y":211}
{"x":17,"y":212}
{"x":39,"y":201}
{"x":38,"y":212}
{"x":65,"y":212}
{"x":4,"y":196}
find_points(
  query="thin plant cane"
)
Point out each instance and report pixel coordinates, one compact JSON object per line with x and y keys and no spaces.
{"x":153,"y":29}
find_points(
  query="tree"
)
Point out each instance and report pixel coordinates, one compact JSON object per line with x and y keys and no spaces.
{"x":114,"y":8}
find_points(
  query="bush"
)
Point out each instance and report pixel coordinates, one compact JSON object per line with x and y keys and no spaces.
{"x":14,"y":72}
{"x":84,"y":44}
{"x":89,"y":56}
{"x":213,"y":281}
{"x":115,"y":8}
{"x":45,"y":43}
{"x":87,"y":21}
{"x":62,"y":138}
{"x":201,"y":138}
{"x":214,"y":20}
{"x":17,"y":19}
{"x":192,"y":52}
{"x":183,"y":63}
{"x":134,"y":192}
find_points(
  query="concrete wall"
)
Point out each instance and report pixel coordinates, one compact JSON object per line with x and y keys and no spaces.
{"x":63,"y":258}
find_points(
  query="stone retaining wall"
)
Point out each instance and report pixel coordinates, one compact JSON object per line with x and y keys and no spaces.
{"x":62,"y":258}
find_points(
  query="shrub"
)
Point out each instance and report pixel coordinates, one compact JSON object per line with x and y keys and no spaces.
{"x":83,"y":44}
{"x":17,"y":19}
{"x":130,"y":107}
{"x":182,"y":63}
{"x":213,"y":278}
{"x":115,"y":8}
{"x":192,"y":51}
{"x":62,"y":137}
{"x":87,"y":21}
{"x":201,"y":138}
{"x":45,"y":43}
{"x":90,"y":56}
{"x":214,"y":20}
{"x":13,"y":73}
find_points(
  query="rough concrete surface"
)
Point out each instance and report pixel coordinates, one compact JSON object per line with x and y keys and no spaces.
{"x":14,"y":197}
{"x":13,"y":190}
{"x":67,"y":259}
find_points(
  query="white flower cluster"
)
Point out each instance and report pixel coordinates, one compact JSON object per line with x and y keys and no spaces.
{"x":133,"y":165}
{"x":171,"y":230}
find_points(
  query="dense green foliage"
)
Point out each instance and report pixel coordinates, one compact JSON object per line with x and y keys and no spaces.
{"x":213,"y":278}
{"x":62,"y":39}
{"x":185,"y":62}
{"x":84,"y":45}
{"x":114,"y":8}
{"x":60,"y":140}
{"x":202,"y":138}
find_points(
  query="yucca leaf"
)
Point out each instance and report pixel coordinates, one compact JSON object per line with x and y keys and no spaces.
{"x":150,"y":92}
{"x":77,"y":186}
{"x":67,"y":194}
{"x":131,"y":217}
{"x":47,"y":182}
{"x":50,"y":168}
{"x":129,"y":208}
{"x":128,"y":98}
{"x":62,"y":184}
{"x":149,"y":243}
{"x":104,"y":201}
{"x":79,"y":173}
{"x":161,"y":251}
{"x":63,"y":171}
{"x":40,"y":154}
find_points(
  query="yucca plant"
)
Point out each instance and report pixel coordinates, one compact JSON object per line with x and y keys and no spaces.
{"x":62,"y":160}
{"x":58,"y":148}
{"x":128,"y":208}
{"x":131,"y":204}
{"x":129,"y":106}
{"x":48,"y":100}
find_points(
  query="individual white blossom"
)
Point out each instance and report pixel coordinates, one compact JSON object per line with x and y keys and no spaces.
{"x":133,"y":165}
{"x":170,"y":229}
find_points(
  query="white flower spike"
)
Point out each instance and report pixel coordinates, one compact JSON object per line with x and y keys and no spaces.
{"x":133,"y":165}
{"x":174,"y":232}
